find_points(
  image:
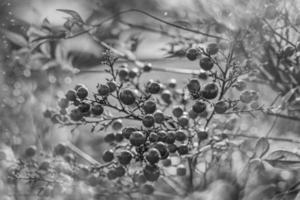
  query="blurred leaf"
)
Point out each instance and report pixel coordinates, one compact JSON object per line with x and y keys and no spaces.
{"x":283,"y":155}
{"x":75,"y":15}
{"x":286,"y":164}
{"x":261,"y":148}
{"x":16,"y":38}
{"x":46,"y":25}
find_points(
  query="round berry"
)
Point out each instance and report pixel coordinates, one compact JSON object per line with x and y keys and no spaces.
{"x":76,"y":115}
{"x":117,"y":124}
{"x":120,"y":171}
{"x":192,"y":114}
{"x":167,"y":162}
{"x":159,"y":117}
{"x":210,"y":91}
{"x":162,"y":135}
{"x":152,"y":156}
{"x":82,"y":92}
{"x":180,"y":135}
{"x":97,"y":109}
{"x":204,"y":114}
{"x":172,"y":148}
{"x":126,"y":132}
{"x":202,"y":134}
{"x":125,"y":157}
{"x":112,"y":86}
{"x":181,"y":170}
{"x":147,"y":67}
{"x":221,"y":107}
{"x":127,"y":97}
{"x":84,"y":107}
{"x":149,"y":106}
{"x":162,"y":148}
{"x":183,"y":121}
{"x":119,"y":137}
{"x":148,"y":121}
{"x":170,"y":137}
{"x":147,"y":189}
{"x":203,"y":75}
{"x":246,"y":96}
{"x":194,"y":86}
{"x":192,"y":54}
{"x":71,"y":95}
{"x":30,"y":151}
{"x":111,"y":174}
{"x":139,"y":178}
{"x":123,"y":73}
{"x":60,"y":149}
{"x":137,"y":138}
{"x":172,"y":83}
{"x":199,"y":107}
{"x":151,"y":172}
{"x":103,"y":90}
{"x":153,"y":87}
{"x":166,"y":96}
{"x":270,"y":12}
{"x":45,"y":165}
{"x":183,"y":149}
{"x":108,"y":156}
{"x":133,"y":73}
{"x":153,"y":137}
{"x":206,"y":63}
{"x":240,"y":85}
{"x":212,"y":48}
{"x":109,"y":138}
{"x":177,"y":111}
{"x":63,"y":103}
{"x":77,"y":86}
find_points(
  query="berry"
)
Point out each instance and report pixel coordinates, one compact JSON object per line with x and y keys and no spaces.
{"x":152,"y":156}
{"x":119,"y":137}
{"x":221,"y":107}
{"x":246,"y":96}
{"x":203,"y":75}
{"x":117,"y":124}
{"x":147,"y":189}
{"x":77,"y":86}
{"x":127,"y":97}
{"x":111,"y":174}
{"x":30,"y":151}
{"x":204,"y":114}
{"x":153,"y":137}
{"x":183,"y":149}
{"x":133,"y":72}
{"x":206,"y":63}
{"x":82,"y":92}
{"x":270,"y":12}
{"x":148,"y":121}
{"x":139,"y":178}
{"x":149,"y":107}
{"x":153,"y":87}
{"x":60,"y":150}
{"x":162,"y":135}
{"x":103,"y":90}
{"x":125,"y":157}
{"x":192,"y":54}
{"x":240,"y":85}
{"x":126,"y":132}
{"x":137,"y":138}
{"x":97,"y":109}
{"x":192,"y":114}
{"x":199,"y":107}
{"x":123,"y":73}
{"x":212,"y":48}
{"x":194,"y":86}
{"x":147,"y":67}
{"x":254,"y":95}
{"x":210,"y":91}
{"x":159,"y":117}
{"x":84,"y":107}
{"x":172,"y":148}
{"x":167,"y":162}
{"x":172,"y":83}
{"x":162,"y":148}
{"x":120,"y":171}
{"x":47,"y":113}
{"x":181,"y":170}
{"x":180,"y":135}
{"x":76,"y":115}
{"x":166,"y":96}
{"x":151,"y":172}
{"x":177,"y":111}
{"x":45,"y":165}
{"x":71,"y":95}
{"x":183,"y":121}
{"x":170,"y":137}
{"x":202,"y":134}
{"x":63,"y":103}
{"x":108,"y":156}
{"x":288,"y":51}
{"x":92,"y":180}
{"x":109,"y":138}
{"x":112,"y":86}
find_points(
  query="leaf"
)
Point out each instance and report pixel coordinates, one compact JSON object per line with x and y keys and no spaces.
{"x":283,"y":155}
{"x":75,"y":15}
{"x":285,"y":164}
{"x":182,"y":23}
{"x":16,"y":38}
{"x":262,"y":147}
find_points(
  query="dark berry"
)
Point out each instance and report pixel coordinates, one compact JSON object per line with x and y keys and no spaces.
{"x":108,"y":156}
{"x":125,"y":157}
{"x":206,"y":63}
